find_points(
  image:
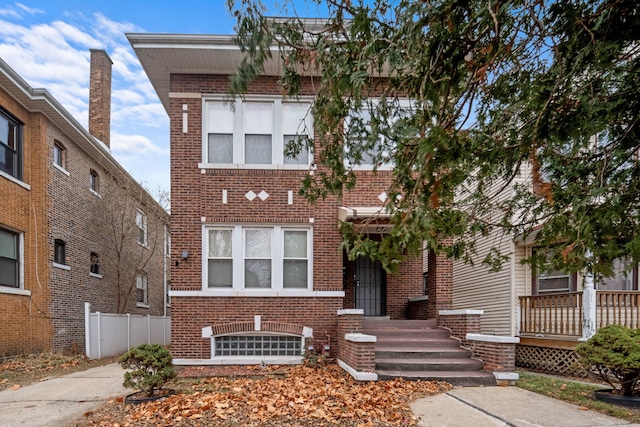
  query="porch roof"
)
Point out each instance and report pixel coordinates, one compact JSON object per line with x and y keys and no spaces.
{"x":346,"y":213}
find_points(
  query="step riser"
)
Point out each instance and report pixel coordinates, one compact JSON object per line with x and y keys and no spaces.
{"x":426,"y":333}
{"x":470,"y":365}
{"x":424,"y":354}
{"x":487,"y":381}
{"x":417,"y":324}
{"x":416,"y":344}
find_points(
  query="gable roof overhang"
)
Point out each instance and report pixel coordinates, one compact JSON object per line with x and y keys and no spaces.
{"x":164,"y":54}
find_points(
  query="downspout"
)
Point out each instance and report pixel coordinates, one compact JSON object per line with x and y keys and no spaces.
{"x":164,"y":269}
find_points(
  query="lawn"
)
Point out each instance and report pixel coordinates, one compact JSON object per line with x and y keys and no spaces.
{"x":575,"y":392}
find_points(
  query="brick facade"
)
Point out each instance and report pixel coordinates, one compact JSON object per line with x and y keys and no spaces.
{"x":55,"y":203}
{"x":197,"y":200}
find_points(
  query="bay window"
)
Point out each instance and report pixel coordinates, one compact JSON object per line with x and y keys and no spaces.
{"x":260,"y":258}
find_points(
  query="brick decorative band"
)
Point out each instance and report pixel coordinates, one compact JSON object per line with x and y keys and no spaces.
{"x":240,"y":327}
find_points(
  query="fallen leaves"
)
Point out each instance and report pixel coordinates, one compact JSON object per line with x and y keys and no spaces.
{"x":304,"y":396}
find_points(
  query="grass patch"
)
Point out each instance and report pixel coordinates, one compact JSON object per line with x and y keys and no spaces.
{"x":577,"y":393}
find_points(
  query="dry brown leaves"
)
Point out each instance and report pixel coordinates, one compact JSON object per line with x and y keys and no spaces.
{"x":305,"y":396}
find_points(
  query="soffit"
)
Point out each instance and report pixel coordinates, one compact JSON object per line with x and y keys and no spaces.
{"x":164,"y":54}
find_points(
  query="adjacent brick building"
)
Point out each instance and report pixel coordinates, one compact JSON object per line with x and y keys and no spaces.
{"x":263,"y":270}
{"x":61,"y":191}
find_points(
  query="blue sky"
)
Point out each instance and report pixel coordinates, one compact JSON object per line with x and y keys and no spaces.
{"x":47,"y":42}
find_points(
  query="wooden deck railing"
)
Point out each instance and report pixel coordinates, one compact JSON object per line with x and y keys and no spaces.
{"x":562,"y":314}
{"x":618,"y":308}
{"x":559,"y":314}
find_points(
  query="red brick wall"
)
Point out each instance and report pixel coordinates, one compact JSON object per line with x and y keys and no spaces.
{"x":26,"y":327}
{"x":439,"y":284}
{"x":195,"y":195}
{"x":460,"y":325}
{"x":497,"y":357}
{"x":191,"y":314}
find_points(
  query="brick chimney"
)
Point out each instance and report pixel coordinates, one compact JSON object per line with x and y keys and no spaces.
{"x":100,"y":96}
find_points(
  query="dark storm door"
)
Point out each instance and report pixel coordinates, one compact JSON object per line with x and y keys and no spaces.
{"x":370,"y":287}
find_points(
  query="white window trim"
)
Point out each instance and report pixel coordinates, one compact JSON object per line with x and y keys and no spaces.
{"x":15,"y":180}
{"x":406,"y":103}
{"x":146,"y":289}
{"x":20,"y":289}
{"x":97,"y":276}
{"x":62,"y":266}
{"x":144,"y":227}
{"x":61,"y":169}
{"x":277,"y":149}
{"x":277,"y":259}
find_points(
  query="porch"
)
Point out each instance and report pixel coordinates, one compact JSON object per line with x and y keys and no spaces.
{"x":551,"y":326}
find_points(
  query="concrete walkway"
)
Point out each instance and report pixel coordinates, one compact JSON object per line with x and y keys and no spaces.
{"x":58,"y":401}
{"x":504,"y":406}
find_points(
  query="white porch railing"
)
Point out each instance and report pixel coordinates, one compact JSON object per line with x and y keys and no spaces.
{"x":113,"y":334}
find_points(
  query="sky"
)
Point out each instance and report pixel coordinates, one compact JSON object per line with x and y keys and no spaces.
{"x":47,"y":43}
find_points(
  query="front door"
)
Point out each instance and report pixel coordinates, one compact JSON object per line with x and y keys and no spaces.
{"x":370,"y":287}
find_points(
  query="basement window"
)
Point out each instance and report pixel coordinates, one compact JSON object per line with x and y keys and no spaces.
{"x":258,"y":345}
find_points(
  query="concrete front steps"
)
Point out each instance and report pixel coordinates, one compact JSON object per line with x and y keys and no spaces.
{"x":420,"y":350}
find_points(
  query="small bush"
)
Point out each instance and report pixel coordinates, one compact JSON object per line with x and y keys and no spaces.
{"x":613,"y":354}
{"x":151,"y":367}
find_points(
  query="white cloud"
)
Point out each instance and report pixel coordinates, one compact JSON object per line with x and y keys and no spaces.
{"x":134,"y":144}
{"x":29,"y":10}
{"x":55,"y":55}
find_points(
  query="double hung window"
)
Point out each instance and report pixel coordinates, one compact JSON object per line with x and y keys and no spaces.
{"x":142,"y":296}
{"x":141,"y":226}
{"x":10,"y":146}
{"x":273,"y":258}
{"x":256,"y":132}
{"x":9,"y":258}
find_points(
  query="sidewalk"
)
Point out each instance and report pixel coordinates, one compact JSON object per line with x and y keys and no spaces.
{"x":504,"y":406}
{"x":58,"y":401}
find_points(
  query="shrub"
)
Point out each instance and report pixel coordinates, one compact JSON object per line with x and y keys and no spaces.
{"x":613,"y":354}
{"x":151,"y":367}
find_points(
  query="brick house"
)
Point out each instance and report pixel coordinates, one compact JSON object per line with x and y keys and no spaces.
{"x":62,"y":190}
{"x":260,"y":275}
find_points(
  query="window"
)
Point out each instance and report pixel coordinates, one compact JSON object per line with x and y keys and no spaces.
{"x":258,"y":257}
{"x":9,"y":258}
{"x":95,"y":263}
{"x":60,"y":252}
{"x":256,"y":132}
{"x":295,"y":263}
{"x":142,"y":297}
{"x":258,"y":345}
{"x":624,"y":278}
{"x":546,"y":281}
{"x":141,"y":224}
{"x":58,"y":155}
{"x":10,"y":145}
{"x":220,"y":264}
{"x":94,"y":183}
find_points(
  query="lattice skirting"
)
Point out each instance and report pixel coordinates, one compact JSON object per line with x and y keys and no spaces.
{"x":549,"y":360}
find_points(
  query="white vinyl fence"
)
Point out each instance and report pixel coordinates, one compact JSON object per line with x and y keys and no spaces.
{"x":113,"y":334}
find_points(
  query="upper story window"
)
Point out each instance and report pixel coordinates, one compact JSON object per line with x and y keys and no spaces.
{"x":60,"y":252}
{"x":141,"y":225}
{"x":255,"y":132}
{"x":9,"y":258}
{"x":94,"y":181}
{"x":10,"y":145}
{"x":270,"y":258}
{"x":95,"y":263}
{"x":59,"y":155}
